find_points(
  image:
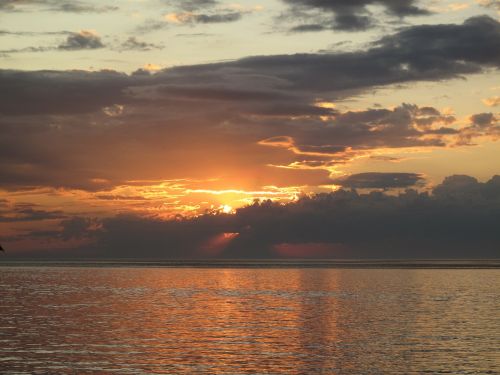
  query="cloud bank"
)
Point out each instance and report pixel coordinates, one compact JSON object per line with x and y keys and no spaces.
{"x":458,"y":219}
{"x":271,"y":114}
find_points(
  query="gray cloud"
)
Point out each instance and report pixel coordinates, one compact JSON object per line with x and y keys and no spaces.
{"x":217,"y":18}
{"x":376,"y":180}
{"x":134,"y":44}
{"x":312,"y":27}
{"x":33,"y":33}
{"x":493,"y":4}
{"x":192,"y":5}
{"x":74,"y":41}
{"x":82,"y":40}
{"x":345,"y":15}
{"x":75,"y":6}
{"x":262,"y":105}
{"x":483,"y":119}
{"x":26,"y":212}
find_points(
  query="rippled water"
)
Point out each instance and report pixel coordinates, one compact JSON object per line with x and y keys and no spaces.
{"x":248,"y":321}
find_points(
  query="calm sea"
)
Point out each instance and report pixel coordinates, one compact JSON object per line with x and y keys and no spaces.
{"x":248,"y":321}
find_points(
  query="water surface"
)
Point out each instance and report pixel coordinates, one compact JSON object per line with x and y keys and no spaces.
{"x":248,"y":321}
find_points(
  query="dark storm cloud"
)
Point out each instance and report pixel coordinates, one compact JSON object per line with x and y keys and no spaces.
{"x":91,"y":117}
{"x":459,"y":219}
{"x":346,"y":15}
{"x":375,"y":180}
{"x":82,"y":40}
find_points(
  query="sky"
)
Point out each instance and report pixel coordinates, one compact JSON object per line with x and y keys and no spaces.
{"x":193,"y":122}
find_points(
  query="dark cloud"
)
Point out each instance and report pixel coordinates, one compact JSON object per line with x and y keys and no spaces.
{"x":308,"y":28}
{"x":203,"y":12}
{"x":26,"y":212}
{"x":375,"y":180}
{"x":346,"y":15}
{"x":76,"y":228}
{"x":255,"y":114}
{"x":55,"y":92}
{"x":459,"y":219}
{"x":217,"y":18}
{"x":192,"y":5}
{"x":81,"y":7}
{"x":134,"y":44}
{"x":483,"y":119}
{"x":481,"y":124}
{"x":82,"y":40}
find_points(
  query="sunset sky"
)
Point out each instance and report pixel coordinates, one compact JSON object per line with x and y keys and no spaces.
{"x":162,"y":109}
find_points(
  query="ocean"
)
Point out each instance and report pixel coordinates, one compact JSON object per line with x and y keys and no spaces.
{"x":225,"y":320}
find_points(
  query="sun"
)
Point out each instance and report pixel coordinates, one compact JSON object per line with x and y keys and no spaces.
{"x":227,"y":209}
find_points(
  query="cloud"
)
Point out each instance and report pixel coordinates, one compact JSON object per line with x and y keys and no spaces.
{"x":312,"y":27}
{"x":459,"y":219}
{"x":481,"y":125}
{"x":482,"y":120}
{"x":74,"y":6}
{"x":494,"y":4}
{"x":268,"y":115}
{"x":493,"y":101}
{"x":85,"y":39}
{"x":33,"y":33}
{"x":374,"y":180}
{"x":192,"y":5}
{"x":218,"y":18}
{"x":26,"y":212}
{"x":192,"y":18}
{"x":132,"y":43}
{"x":346,"y":15}
{"x":81,"y":7}
{"x":205,"y":12}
